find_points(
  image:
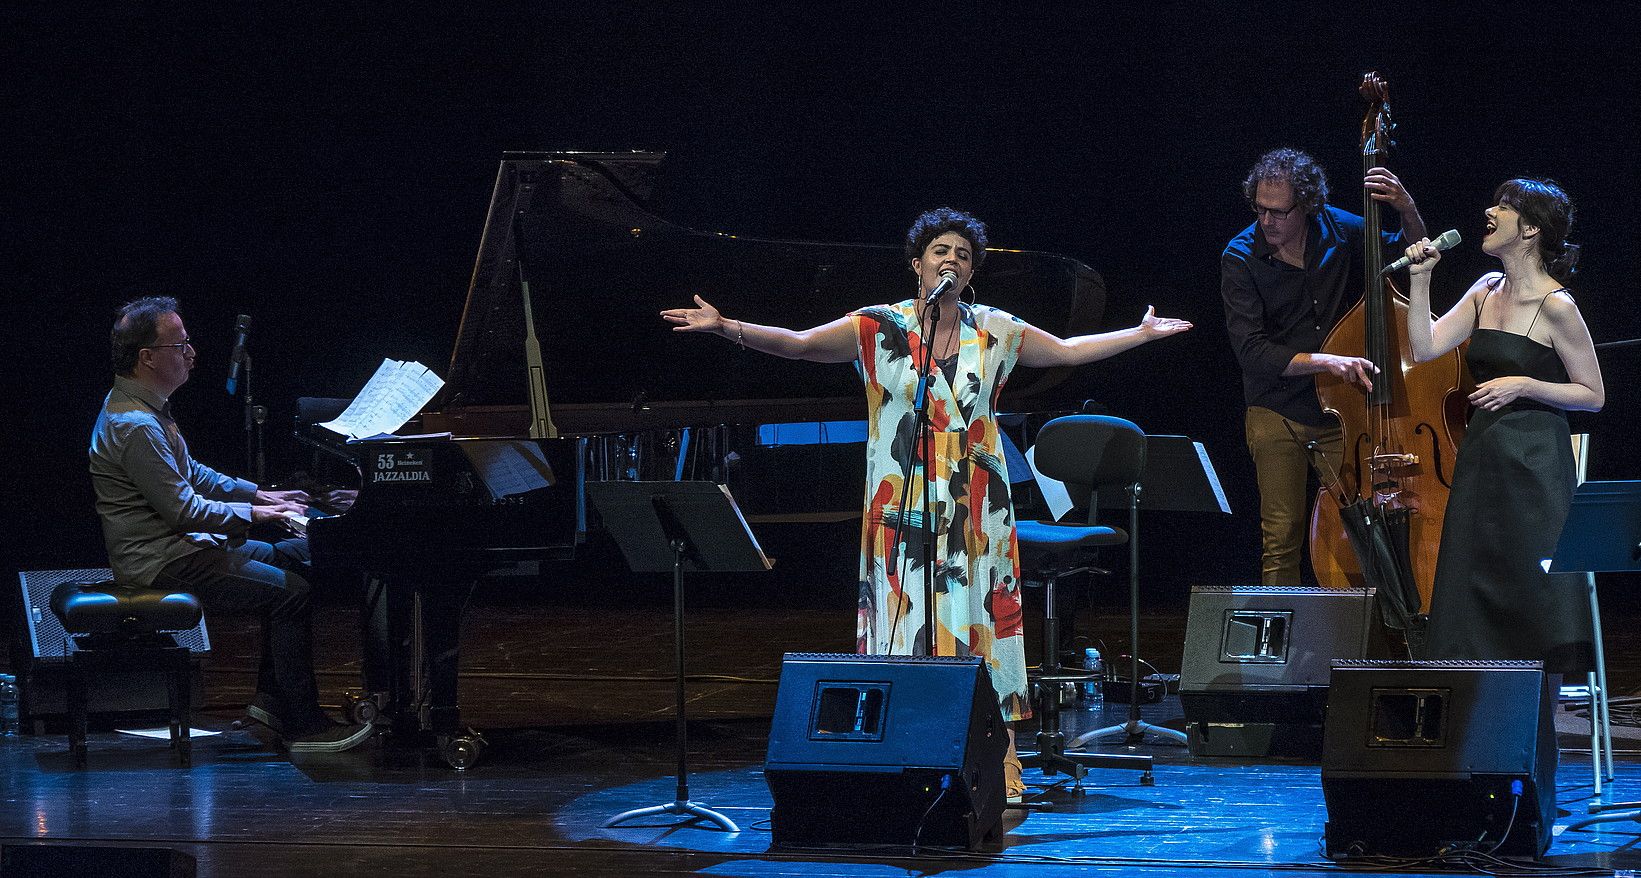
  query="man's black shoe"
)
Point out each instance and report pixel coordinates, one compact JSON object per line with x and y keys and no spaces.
{"x":334,"y":738}
{"x":264,"y":709}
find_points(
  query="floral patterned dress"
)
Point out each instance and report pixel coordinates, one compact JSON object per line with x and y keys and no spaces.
{"x":976,"y":557}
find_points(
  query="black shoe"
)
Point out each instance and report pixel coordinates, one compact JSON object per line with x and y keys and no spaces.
{"x":264,"y":709}
{"x":333,"y":738}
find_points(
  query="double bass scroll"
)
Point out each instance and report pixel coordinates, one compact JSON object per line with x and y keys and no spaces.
{"x":1400,"y":439}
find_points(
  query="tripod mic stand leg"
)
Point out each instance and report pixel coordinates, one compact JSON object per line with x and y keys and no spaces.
{"x":683,"y":808}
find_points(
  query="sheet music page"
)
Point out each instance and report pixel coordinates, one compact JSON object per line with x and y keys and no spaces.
{"x":742,"y":519}
{"x":1054,"y":491}
{"x":391,"y":397}
{"x":509,"y":468}
{"x":1213,"y":478}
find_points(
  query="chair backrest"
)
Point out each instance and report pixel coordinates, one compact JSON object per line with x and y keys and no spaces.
{"x":1090,"y":452}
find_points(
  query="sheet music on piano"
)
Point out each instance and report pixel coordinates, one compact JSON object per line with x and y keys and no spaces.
{"x":391,"y":397}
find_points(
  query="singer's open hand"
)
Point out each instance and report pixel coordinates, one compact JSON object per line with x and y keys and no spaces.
{"x":1384,"y":186}
{"x":1424,"y":257}
{"x":702,"y":319}
{"x":1157,"y":327}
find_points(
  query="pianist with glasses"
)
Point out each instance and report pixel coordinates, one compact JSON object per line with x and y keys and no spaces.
{"x":172,"y":523}
{"x":977,"y":602}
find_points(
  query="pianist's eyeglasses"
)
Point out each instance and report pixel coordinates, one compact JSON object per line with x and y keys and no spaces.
{"x":181,"y":345}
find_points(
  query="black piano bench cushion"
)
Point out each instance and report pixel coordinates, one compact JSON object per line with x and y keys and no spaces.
{"x":111,"y":608}
{"x":1060,"y":537}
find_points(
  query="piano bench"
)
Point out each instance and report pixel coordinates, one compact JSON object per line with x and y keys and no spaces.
{"x":118,"y":627}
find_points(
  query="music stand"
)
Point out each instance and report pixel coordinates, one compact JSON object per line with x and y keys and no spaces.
{"x":1602,"y":534}
{"x":663,"y":526}
{"x":1178,"y":477}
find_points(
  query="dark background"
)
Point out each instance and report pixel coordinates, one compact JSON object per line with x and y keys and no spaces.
{"x":330,"y":177}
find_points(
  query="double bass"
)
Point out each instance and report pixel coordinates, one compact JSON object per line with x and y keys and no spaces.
{"x":1401,"y":438}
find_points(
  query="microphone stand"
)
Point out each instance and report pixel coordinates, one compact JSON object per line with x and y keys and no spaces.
{"x":924,"y":430}
{"x":255,"y":417}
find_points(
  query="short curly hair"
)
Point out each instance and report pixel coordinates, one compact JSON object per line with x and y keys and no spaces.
{"x":1290,"y":166}
{"x":934,"y":223}
{"x":136,"y":326}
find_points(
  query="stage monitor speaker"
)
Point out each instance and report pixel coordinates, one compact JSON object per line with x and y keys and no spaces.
{"x":1254,"y":678}
{"x":885,"y":750}
{"x":42,"y":670}
{"x":1425,"y":757}
{"x":84,"y":861}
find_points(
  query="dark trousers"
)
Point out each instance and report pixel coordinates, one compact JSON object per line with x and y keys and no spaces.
{"x":262,"y":579}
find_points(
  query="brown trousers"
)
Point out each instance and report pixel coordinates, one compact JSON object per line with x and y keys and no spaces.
{"x":1282,"y":468}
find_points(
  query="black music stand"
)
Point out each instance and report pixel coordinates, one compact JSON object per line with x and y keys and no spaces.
{"x":1602,"y":534}
{"x":1178,"y":477}
{"x":675,"y":526}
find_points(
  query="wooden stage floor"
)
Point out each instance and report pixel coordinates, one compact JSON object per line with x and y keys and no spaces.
{"x":574,"y":696}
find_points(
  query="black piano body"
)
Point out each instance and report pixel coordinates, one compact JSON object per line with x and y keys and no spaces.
{"x":560,"y":345}
{"x":433,"y":516}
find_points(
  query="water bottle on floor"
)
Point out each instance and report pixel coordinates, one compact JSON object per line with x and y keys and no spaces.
{"x":1093,"y":692}
{"x":8,"y":705}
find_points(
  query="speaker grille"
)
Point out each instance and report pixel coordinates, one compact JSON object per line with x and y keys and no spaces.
{"x":1279,"y":590}
{"x":878,"y":659}
{"x":1438,"y":664}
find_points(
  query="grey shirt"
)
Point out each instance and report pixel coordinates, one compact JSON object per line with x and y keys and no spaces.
{"x":156,"y":503}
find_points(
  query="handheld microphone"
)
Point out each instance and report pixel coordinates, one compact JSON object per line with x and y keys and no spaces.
{"x":1448,"y":240}
{"x":242,"y":333}
{"x":948,"y":279}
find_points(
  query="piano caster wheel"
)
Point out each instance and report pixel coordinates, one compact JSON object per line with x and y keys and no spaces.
{"x":462,"y":752}
{"x":361,"y":709}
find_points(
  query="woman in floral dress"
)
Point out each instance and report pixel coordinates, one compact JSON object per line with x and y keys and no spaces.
{"x":976,"y":581}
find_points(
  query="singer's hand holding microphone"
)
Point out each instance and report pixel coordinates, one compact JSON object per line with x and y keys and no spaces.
{"x":1422,"y":257}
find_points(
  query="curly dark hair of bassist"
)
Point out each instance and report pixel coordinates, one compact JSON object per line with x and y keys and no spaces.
{"x":1290,"y":166}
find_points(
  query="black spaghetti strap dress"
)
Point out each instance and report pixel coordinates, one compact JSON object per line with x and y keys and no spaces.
{"x":1512,"y":487}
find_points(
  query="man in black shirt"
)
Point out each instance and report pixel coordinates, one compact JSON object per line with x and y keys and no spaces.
{"x":1286,"y":280}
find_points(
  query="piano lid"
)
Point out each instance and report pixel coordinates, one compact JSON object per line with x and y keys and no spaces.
{"x":601,"y":263}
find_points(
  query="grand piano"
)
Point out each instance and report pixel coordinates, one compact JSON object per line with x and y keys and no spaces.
{"x":562,"y":362}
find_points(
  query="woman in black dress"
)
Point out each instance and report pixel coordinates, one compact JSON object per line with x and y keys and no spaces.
{"x":1533,"y":361}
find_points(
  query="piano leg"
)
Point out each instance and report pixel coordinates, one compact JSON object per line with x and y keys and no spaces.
{"x":379,"y":645}
{"x":441,"y":609}
{"x":412,"y":654}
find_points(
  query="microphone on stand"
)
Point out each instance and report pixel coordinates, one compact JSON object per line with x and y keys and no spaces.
{"x":1448,"y":240}
{"x":242,"y":334}
{"x":948,"y":279}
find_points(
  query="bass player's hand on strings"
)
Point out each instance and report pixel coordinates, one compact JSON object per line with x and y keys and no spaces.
{"x":1356,"y":370}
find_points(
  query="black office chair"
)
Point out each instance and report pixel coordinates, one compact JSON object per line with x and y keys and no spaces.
{"x":1090,"y":454}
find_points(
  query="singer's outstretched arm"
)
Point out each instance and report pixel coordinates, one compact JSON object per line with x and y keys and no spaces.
{"x":832,"y":342}
{"x":1043,"y":349}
